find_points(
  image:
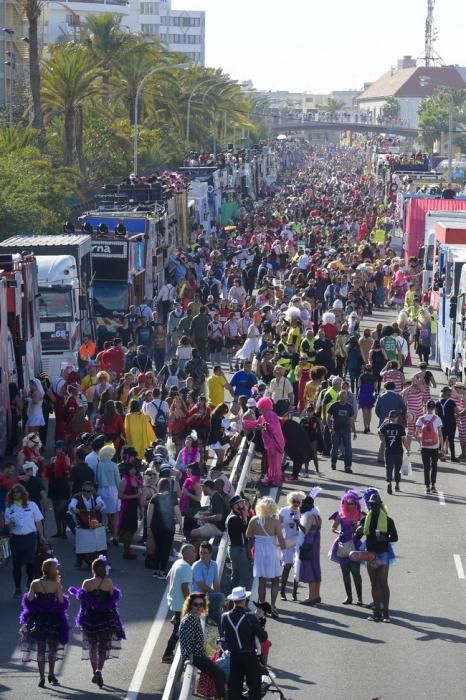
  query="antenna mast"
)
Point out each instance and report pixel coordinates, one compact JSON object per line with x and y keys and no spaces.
{"x":430,"y":57}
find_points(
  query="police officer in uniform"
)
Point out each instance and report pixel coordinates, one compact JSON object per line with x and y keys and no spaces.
{"x":241,"y":628}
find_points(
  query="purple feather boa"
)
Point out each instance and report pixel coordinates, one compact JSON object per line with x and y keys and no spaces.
{"x":89,"y":601}
{"x":47,"y":606}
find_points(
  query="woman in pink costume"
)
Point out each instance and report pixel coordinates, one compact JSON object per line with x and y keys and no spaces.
{"x":272,"y":436}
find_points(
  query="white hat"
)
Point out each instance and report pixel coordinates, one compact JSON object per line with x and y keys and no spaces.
{"x":30,"y":465}
{"x":251,"y":403}
{"x":239,"y":593}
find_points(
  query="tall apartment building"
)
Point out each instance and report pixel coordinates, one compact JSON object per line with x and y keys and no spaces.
{"x":180,"y":30}
{"x":14,"y":54}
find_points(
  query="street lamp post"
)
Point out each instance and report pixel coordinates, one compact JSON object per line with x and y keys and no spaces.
{"x":450,"y":134}
{"x":136,"y":110}
{"x":188,"y":112}
{"x":220,"y":92}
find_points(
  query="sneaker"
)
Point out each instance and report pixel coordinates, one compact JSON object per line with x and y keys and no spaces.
{"x":376,"y":617}
{"x":156,"y":573}
{"x":334,"y":466}
{"x":292,"y":478}
{"x":17,"y":593}
{"x":397,"y":487}
{"x":433,"y":489}
{"x":348,"y":471}
{"x":385,"y":617}
{"x":167,"y":658}
{"x":427,"y":489}
{"x":389,"y":489}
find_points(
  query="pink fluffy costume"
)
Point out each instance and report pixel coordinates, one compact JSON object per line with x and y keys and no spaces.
{"x":272,"y":436}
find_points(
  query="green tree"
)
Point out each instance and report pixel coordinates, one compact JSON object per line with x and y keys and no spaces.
{"x":34,"y":195}
{"x":391,"y":108}
{"x":334,"y":105}
{"x":105,"y":41}
{"x":434,"y":115}
{"x":33,"y":10}
{"x":69,"y":81}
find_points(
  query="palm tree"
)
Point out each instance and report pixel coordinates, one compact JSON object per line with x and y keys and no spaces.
{"x":33,"y":10}
{"x":69,"y":80}
{"x":106,"y":42}
{"x":137,"y":58}
{"x":334,"y":105}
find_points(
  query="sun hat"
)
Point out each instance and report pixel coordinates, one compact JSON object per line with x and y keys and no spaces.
{"x":239,"y":593}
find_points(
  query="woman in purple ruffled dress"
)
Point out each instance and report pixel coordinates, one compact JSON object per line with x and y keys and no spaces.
{"x":44,"y":628}
{"x":98,"y":618}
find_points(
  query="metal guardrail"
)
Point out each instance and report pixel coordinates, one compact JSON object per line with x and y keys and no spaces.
{"x":243,"y":462}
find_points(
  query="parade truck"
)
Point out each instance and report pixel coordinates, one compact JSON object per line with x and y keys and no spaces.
{"x":414,"y":211}
{"x":20,"y":341}
{"x":451,"y":263}
{"x":428,"y":253}
{"x":123,"y":250}
{"x":64,"y":270}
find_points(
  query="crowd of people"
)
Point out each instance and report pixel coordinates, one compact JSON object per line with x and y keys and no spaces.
{"x":147,"y":425}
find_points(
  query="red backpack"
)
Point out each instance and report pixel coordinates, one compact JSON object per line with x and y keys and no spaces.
{"x":429,"y":436}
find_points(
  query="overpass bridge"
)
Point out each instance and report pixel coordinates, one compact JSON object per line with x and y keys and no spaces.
{"x":283,"y":125}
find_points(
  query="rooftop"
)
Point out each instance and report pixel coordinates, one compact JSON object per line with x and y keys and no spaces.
{"x":418,"y":81}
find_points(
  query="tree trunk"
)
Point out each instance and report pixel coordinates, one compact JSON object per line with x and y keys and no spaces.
{"x":69,"y":135}
{"x":33,"y":14}
{"x":79,"y":140}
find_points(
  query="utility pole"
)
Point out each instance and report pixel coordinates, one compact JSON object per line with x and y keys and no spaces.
{"x":450,"y":133}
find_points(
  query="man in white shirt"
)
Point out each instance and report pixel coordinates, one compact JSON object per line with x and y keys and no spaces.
{"x":165,"y":299}
{"x":154,"y":407}
{"x":24,"y":521}
{"x":280,"y":390}
{"x":303,"y":261}
{"x":93,"y":457}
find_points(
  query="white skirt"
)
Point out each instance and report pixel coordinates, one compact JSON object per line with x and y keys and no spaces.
{"x":266,"y":557}
{"x":251,"y":347}
{"x":109,"y":495}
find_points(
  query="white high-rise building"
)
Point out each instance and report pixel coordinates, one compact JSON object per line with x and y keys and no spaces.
{"x":180,"y":30}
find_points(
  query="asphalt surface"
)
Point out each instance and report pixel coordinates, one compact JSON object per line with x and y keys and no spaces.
{"x":322,"y":652}
{"x":332,"y":650}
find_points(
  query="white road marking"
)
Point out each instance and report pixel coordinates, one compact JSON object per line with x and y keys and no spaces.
{"x":149,"y":646}
{"x":459,"y":566}
{"x":441,"y":498}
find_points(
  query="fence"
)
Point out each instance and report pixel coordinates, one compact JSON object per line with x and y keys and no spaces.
{"x":242,"y":464}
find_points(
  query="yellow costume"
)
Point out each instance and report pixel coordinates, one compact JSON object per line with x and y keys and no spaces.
{"x":139,"y":432}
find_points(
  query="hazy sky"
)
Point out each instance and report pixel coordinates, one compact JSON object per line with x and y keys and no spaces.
{"x":322,"y":45}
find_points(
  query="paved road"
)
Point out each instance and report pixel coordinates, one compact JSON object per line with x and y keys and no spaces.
{"x":320,"y":652}
{"x":333,"y":650}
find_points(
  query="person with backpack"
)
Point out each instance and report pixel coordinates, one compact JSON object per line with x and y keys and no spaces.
{"x":171,"y":375}
{"x":156,"y":409}
{"x":429,"y":434}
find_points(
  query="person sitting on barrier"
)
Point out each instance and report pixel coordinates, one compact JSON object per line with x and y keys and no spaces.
{"x":206,"y":579}
{"x":192,"y":640}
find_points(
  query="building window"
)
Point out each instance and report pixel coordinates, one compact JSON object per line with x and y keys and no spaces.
{"x":72,"y":20}
{"x":163,"y":21}
{"x":150,"y":28}
{"x":149,"y":8}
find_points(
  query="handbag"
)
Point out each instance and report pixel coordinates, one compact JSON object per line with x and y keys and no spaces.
{"x":305,"y":552}
{"x":344,"y":549}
